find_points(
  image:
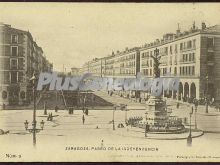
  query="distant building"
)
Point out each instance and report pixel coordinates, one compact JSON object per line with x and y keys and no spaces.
{"x":75,"y":71}
{"x":123,"y":64}
{"x":20,"y":57}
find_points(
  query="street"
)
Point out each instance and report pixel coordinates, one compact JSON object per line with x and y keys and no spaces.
{"x":66,"y":131}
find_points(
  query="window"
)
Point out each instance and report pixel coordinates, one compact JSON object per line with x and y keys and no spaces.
{"x":210,"y":70}
{"x":14,"y":50}
{"x":4,"y":95}
{"x":181,"y":46}
{"x":14,"y":77}
{"x":194,"y":43}
{"x":175,"y":71}
{"x":166,"y":50}
{"x":22,"y":95}
{"x":193,"y":70}
{"x":176,"y":49}
{"x":14,"y":39}
{"x":180,"y":70}
{"x":189,"y":56}
{"x":210,"y":42}
{"x":171,"y":50}
{"x":193,"y":56}
{"x":189,"y":44}
{"x":186,"y":57}
{"x":14,"y":63}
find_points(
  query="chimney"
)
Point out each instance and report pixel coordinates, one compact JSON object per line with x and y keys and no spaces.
{"x":203,"y":25}
{"x":178,"y":30}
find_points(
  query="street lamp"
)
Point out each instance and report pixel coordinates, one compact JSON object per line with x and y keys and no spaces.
{"x":189,"y":138}
{"x":146,"y":129}
{"x":113,"y":120}
{"x":196,"y":105}
{"x":34,"y":130}
{"x":207,"y":86}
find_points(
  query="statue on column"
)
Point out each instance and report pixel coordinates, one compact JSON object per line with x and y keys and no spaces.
{"x":156,"y":58}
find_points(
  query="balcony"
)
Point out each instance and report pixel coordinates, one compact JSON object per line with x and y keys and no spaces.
{"x":186,"y":62}
{"x":145,"y":65}
{"x":187,"y":49}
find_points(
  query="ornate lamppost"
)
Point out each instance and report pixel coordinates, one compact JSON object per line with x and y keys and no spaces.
{"x":34,"y":130}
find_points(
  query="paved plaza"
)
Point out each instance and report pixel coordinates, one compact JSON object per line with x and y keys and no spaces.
{"x":66,"y":131}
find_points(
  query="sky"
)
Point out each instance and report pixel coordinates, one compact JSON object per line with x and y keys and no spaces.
{"x":73,"y":33}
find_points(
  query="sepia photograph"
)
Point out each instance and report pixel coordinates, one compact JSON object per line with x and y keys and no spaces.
{"x":109,"y":82}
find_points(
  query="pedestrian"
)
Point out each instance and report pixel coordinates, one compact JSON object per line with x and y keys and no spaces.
{"x":87,"y":111}
{"x":51,"y":116}
{"x":177,"y":105}
{"x":83,"y":119}
{"x":56,"y":108}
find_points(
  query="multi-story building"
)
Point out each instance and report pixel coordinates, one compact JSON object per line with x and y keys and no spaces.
{"x":84,"y":68}
{"x":20,"y":57}
{"x":96,"y":66}
{"x":193,"y":56}
{"x":123,"y":64}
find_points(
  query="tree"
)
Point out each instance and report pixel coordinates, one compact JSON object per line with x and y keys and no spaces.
{"x":156,"y":58}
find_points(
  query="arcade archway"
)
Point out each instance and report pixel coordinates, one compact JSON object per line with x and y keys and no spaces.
{"x":180,"y":91}
{"x":186,"y":92}
{"x":192,"y":91}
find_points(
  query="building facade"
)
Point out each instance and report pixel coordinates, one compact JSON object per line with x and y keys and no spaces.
{"x":123,"y":64}
{"x":96,"y":66}
{"x":20,"y":57}
{"x":193,"y":56}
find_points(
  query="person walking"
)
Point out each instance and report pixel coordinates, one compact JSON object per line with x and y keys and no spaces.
{"x":83,"y":119}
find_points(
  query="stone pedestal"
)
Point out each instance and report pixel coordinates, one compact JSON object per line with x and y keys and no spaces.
{"x":158,"y":117}
{"x":156,"y":111}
